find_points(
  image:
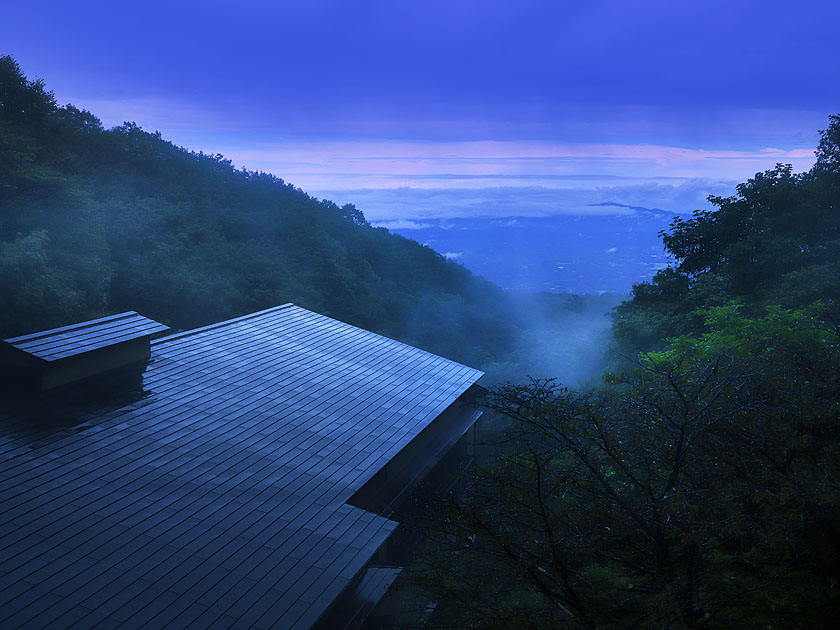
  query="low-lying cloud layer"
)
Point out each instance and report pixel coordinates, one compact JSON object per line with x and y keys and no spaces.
{"x":407,"y":208}
{"x":337,"y":165}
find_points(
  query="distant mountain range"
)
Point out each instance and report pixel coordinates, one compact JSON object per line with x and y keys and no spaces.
{"x":658,"y":211}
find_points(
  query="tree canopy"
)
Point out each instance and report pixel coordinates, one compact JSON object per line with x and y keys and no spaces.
{"x":776,"y":241}
{"x":699,"y":491}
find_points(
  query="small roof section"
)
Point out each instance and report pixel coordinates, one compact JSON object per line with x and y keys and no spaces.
{"x":68,"y":341}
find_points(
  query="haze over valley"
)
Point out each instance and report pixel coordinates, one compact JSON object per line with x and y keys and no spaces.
{"x":559,"y":254}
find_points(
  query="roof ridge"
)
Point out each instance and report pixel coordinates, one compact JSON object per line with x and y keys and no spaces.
{"x":194,"y":331}
{"x":77,"y":326}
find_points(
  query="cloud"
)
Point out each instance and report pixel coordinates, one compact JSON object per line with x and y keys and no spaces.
{"x":409,"y":208}
{"x":453,"y":255}
{"x":327,"y":165}
{"x":508,"y":223}
{"x":401,"y":224}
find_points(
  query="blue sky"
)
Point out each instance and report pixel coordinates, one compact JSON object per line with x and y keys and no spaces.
{"x":452,"y":108}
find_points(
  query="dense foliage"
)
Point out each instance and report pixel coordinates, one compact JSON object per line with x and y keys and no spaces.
{"x":776,"y":241}
{"x":701,"y":491}
{"x":96,"y":221}
{"x":698,"y":489}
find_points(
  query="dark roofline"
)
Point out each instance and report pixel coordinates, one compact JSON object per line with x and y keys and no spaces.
{"x":61,"y":329}
{"x":287,"y":305}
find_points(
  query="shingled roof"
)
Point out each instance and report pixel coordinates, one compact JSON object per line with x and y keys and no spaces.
{"x":217,"y":498}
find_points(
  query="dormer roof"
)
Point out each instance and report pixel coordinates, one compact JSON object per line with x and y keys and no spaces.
{"x":87,"y":350}
{"x":67,"y":341}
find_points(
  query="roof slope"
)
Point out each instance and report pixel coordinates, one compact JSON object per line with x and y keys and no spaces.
{"x":218,"y":500}
{"x":67,"y":341}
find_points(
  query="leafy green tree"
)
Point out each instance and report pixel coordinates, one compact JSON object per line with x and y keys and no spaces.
{"x":776,"y":241}
{"x":22,"y":100}
{"x":35,"y":293}
{"x":828,"y":152}
{"x":699,"y":491}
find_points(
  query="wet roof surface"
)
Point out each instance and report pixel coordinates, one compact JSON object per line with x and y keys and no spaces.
{"x":67,"y":341}
{"x":216,"y":496}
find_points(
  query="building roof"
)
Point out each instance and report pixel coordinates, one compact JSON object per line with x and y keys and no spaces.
{"x":68,"y":341}
{"x":217,"y":496}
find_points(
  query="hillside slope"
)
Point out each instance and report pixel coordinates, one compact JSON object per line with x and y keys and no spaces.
{"x":95,"y":221}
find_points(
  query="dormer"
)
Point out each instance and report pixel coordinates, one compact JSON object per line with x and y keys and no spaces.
{"x":81,"y":351}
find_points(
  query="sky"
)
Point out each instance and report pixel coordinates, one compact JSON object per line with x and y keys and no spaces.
{"x":430,"y":109}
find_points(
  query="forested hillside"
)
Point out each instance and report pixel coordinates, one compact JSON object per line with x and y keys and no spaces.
{"x":96,"y":221}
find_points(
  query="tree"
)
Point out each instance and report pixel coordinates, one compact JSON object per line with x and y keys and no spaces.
{"x":699,"y":491}
{"x":776,"y":241}
{"x":22,"y":100}
{"x":135,"y":222}
{"x":828,"y":151}
{"x":35,"y":293}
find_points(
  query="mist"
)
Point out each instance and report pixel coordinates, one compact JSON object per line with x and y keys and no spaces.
{"x":560,"y":336}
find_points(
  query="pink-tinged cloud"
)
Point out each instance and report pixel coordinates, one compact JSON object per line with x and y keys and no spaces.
{"x":390,"y":164}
